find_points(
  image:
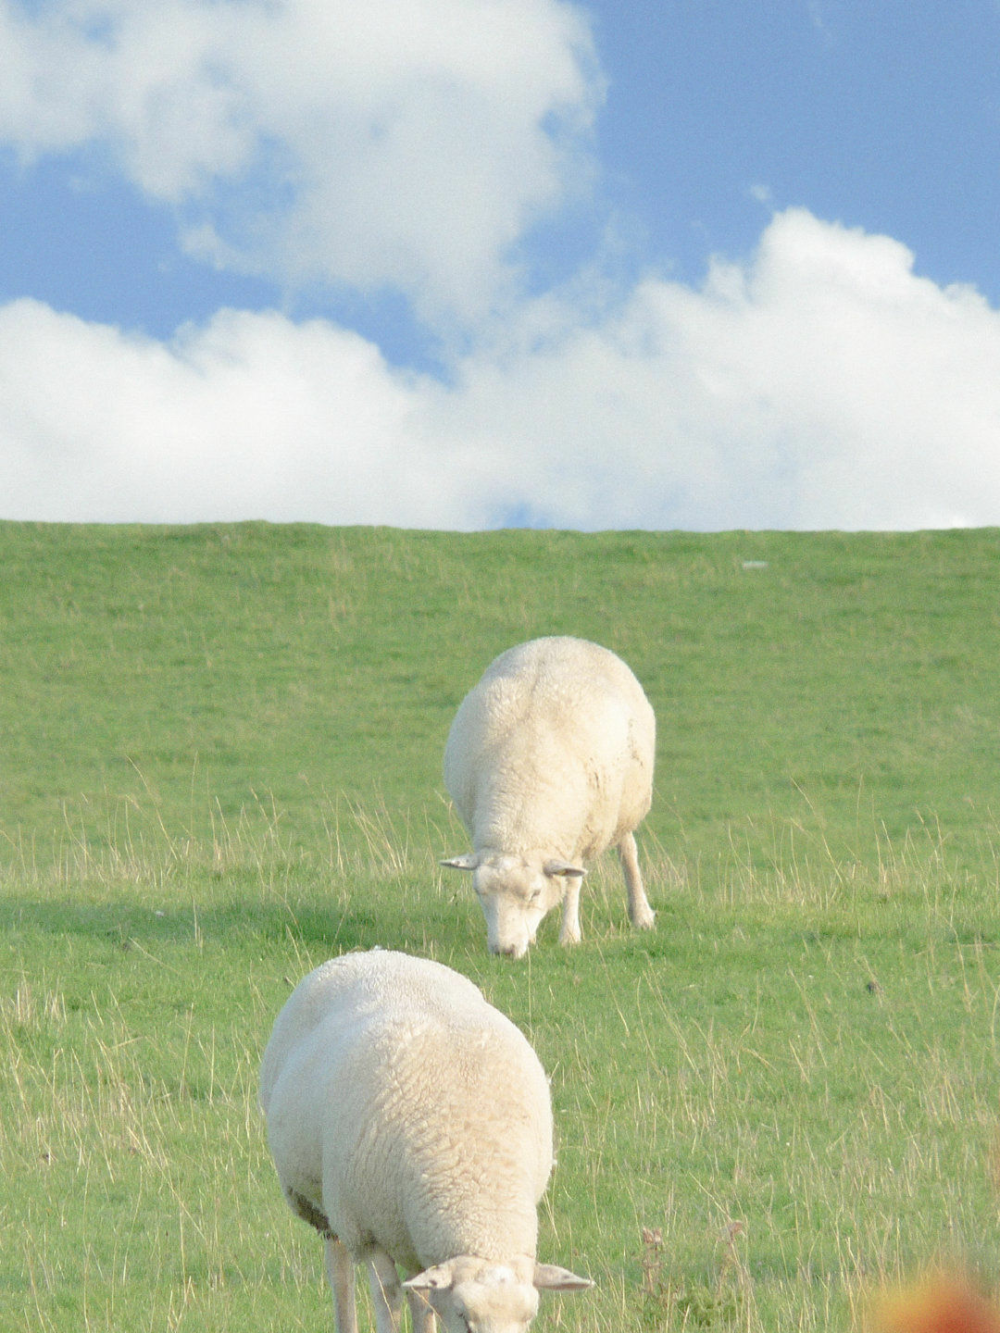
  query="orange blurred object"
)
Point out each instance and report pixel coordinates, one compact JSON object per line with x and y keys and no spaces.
{"x":939,"y":1305}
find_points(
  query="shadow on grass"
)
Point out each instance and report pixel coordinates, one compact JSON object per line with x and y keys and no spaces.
{"x":331,"y":926}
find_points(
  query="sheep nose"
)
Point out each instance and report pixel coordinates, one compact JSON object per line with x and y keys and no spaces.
{"x":508,"y":950}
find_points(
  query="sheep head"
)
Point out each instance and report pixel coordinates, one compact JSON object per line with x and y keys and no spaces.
{"x":515,"y":893}
{"x":472,"y":1295}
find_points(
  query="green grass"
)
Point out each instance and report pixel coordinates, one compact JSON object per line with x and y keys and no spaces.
{"x":220,"y":754}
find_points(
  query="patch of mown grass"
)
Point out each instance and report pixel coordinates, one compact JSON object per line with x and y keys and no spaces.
{"x":184,"y":675}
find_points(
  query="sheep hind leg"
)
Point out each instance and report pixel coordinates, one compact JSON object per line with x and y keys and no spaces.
{"x":340,"y":1271}
{"x":639,"y":911}
{"x":387,"y":1293}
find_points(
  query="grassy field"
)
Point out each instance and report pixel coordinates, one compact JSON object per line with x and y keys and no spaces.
{"x":220,"y":754}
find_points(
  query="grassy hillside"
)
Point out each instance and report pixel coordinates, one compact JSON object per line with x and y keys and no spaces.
{"x":166,"y":674}
{"x":221,"y":753}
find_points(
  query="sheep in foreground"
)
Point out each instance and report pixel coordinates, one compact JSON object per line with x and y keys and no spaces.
{"x":549,"y":761}
{"x":410,"y":1123}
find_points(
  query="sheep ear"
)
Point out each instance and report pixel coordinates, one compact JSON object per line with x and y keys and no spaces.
{"x":469,"y":861}
{"x":438,"y":1278}
{"x":564,"y":868}
{"x":550,"y":1277}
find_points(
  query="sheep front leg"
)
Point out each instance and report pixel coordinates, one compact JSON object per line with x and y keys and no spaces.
{"x":387,"y":1293}
{"x":569,"y":932}
{"x":340,"y":1272}
{"x":421,"y":1312}
{"x":639,"y":911}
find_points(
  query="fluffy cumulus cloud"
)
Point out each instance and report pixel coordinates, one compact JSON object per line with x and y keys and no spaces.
{"x":252,"y":415}
{"x":405,"y":143}
{"x":820,"y":384}
{"x":411,"y":145}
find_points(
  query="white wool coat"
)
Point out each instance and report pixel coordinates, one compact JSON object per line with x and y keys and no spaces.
{"x":549,"y":761}
{"x":406,"y":1113}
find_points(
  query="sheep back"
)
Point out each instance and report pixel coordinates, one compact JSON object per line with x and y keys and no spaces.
{"x":552,"y":749}
{"x":405,"y":1112}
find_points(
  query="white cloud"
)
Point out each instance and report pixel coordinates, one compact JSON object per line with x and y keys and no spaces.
{"x":822,"y":384}
{"x":407,"y":143}
{"x":251,"y":416}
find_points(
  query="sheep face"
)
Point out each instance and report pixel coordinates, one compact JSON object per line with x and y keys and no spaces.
{"x":516,"y":893}
{"x":472,"y":1295}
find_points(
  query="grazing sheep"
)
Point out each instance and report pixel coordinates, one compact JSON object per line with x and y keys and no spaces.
{"x":549,"y":761}
{"x":411,"y":1124}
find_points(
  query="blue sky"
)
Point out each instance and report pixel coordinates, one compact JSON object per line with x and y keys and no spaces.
{"x":880,"y":115}
{"x":461,"y":263}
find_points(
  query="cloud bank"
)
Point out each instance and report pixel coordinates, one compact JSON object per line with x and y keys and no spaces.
{"x":411,"y":145}
{"x":822,"y":384}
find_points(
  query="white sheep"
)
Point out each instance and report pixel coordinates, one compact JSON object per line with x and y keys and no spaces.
{"x":411,"y":1124}
{"x":549,"y":761}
